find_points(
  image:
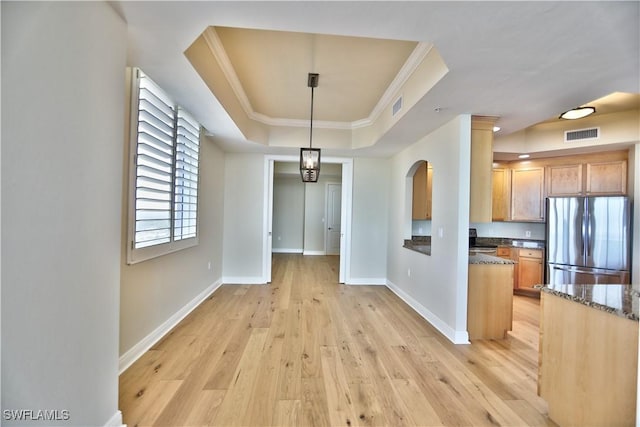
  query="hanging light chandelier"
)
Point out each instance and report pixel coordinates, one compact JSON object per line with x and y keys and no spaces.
{"x":310,"y":157}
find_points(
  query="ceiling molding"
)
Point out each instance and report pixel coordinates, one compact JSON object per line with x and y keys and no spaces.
{"x":214,"y":43}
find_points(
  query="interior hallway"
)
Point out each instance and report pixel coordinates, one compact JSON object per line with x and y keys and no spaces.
{"x":306,"y":351}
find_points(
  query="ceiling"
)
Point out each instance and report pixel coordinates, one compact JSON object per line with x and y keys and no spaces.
{"x":524,"y":62}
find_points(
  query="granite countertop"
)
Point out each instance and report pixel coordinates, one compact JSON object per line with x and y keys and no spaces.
{"x":516,"y":243}
{"x":620,"y":300}
{"x":420,"y":244}
{"x":479,"y":258}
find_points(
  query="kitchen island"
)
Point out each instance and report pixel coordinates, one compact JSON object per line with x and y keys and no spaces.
{"x":490,"y":296}
{"x":589,"y":353}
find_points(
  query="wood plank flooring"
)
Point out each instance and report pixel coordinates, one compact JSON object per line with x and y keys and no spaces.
{"x":307,"y":351}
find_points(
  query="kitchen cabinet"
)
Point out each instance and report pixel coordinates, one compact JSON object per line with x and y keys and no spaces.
{"x":588,"y":364}
{"x":500,"y":194}
{"x":564,"y":180}
{"x":597,"y":178}
{"x":529,"y":271}
{"x":422,"y":186}
{"x":527,"y":194}
{"x":606,"y":178}
{"x":480,"y":200}
{"x":489,"y":301}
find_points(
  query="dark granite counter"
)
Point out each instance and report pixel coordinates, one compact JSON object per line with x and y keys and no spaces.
{"x":516,"y":243}
{"x":420,"y":244}
{"x":620,"y":300}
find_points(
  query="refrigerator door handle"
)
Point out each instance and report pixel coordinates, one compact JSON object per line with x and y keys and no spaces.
{"x":588,"y":226}
{"x":579,"y":270}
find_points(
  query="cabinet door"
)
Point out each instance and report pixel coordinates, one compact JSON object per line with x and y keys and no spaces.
{"x":429,"y":190}
{"x":529,"y":268}
{"x":564,"y":180}
{"x":481,"y":167}
{"x":500,"y":195}
{"x":419,"y":209}
{"x":527,"y":194}
{"x":607,"y":178}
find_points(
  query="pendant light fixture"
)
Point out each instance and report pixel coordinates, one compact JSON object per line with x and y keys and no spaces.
{"x":310,"y":157}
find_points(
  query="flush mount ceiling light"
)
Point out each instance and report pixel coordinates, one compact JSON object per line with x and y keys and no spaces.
{"x":310,"y":157}
{"x":577,"y":113}
{"x":523,"y":156}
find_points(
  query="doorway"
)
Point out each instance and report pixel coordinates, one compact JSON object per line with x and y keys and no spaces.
{"x":345,"y":198}
{"x":333,"y":201}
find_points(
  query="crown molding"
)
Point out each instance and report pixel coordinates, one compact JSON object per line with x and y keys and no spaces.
{"x":420,"y":52}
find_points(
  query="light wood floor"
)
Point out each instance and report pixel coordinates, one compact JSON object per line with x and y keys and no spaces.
{"x":307,"y":351}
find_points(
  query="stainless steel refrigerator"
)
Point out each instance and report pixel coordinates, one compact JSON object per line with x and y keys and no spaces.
{"x":588,"y":240}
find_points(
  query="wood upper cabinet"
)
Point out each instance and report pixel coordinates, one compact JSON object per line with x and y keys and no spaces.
{"x":480,"y":200}
{"x":527,"y":194}
{"x":500,"y":194}
{"x":604,"y":178}
{"x":595,"y":178}
{"x":564,"y":180}
{"x":422,"y":186}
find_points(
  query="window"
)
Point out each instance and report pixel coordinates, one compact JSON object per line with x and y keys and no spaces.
{"x":165,"y":143}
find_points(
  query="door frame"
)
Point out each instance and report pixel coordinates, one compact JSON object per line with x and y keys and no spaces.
{"x":345,"y":213}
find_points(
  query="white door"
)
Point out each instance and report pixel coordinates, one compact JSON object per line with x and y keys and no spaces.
{"x":334,"y":211}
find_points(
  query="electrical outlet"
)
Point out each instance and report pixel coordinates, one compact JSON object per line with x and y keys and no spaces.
{"x":527,"y":233}
{"x":408,"y":272}
{"x":209,"y":265}
{"x":420,"y":230}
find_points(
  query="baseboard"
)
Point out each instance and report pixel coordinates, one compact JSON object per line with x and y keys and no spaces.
{"x":254,"y":280}
{"x":286,"y":251}
{"x":115,"y":421}
{"x":367,"y":281}
{"x":147,"y":342}
{"x":314,"y":253}
{"x":456,"y":337}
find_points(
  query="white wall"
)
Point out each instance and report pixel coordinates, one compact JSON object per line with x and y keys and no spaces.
{"x":243,"y":216}
{"x":288,"y":213}
{"x":437,"y":284}
{"x":370,"y":218}
{"x":155,"y":290}
{"x":63,"y":73}
{"x":634,"y":171}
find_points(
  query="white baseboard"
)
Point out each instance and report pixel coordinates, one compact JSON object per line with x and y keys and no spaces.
{"x":147,"y":342}
{"x":367,"y":281}
{"x":115,"y":421}
{"x":314,"y":253}
{"x":286,"y":251}
{"x":456,"y":337}
{"x":254,"y":280}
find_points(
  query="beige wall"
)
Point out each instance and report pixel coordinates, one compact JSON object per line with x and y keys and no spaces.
{"x":153,"y":291}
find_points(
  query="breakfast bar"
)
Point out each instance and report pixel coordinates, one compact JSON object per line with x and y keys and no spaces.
{"x":588,"y":353}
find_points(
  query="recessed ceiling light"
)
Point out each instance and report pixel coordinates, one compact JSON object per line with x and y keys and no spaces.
{"x":523,"y":156}
{"x":496,"y":128}
{"x":578,"y":113}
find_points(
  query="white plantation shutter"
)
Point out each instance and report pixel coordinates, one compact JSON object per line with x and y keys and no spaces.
{"x":165,"y":147}
{"x":186,"y":179}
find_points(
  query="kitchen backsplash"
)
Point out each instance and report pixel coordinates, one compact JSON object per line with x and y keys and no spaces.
{"x":513,"y":230}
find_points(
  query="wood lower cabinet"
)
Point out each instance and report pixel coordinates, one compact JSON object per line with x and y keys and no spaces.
{"x":530,"y":271}
{"x":490,"y":301}
{"x":527,"y":194}
{"x":588,"y":364}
